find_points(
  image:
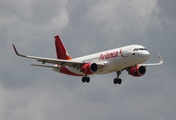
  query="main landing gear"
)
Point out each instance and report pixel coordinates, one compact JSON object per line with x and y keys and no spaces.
{"x":118,"y":80}
{"x":85,"y":79}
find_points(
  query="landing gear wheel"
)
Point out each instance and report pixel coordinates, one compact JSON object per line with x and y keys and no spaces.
{"x":117,"y":80}
{"x":85,"y":79}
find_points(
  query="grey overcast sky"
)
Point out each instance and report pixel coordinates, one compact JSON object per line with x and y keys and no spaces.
{"x":86,"y":26}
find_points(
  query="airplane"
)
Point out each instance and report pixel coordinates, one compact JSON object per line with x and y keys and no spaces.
{"x":129,"y":58}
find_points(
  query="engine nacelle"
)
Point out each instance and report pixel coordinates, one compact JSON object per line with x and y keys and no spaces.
{"x":137,"y":70}
{"x":89,"y":68}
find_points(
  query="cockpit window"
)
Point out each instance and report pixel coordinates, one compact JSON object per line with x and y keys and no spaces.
{"x":136,"y":49}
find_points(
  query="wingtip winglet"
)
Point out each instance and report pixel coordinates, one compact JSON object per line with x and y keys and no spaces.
{"x":160,"y":58}
{"x":16,"y":52}
{"x":15,"y":49}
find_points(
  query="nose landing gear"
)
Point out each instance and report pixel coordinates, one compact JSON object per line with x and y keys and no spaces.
{"x":118,"y":80}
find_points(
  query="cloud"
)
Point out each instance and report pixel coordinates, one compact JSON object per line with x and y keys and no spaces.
{"x":119,"y":15}
{"x":89,"y":26}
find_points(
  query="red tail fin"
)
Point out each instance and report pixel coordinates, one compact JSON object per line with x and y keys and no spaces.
{"x":61,"y":50}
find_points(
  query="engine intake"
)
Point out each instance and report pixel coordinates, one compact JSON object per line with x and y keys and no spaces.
{"x":89,"y":68}
{"x":137,"y":70}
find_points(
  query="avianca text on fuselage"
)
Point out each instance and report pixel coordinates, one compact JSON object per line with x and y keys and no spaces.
{"x":88,"y":65}
{"x":108,"y":55}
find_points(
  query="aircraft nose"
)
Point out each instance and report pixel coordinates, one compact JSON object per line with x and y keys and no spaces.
{"x":147,"y":55}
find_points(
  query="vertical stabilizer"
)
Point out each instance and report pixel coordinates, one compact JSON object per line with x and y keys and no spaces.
{"x":61,"y":50}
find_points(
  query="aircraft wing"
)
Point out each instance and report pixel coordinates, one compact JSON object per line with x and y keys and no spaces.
{"x":154,"y":64}
{"x":43,"y":60}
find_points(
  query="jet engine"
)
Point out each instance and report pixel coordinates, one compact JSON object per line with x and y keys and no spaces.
{"x":137,"y":70}
{"x":89,"y":68}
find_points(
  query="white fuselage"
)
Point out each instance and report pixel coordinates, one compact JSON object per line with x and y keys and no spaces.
{"x":114,"y":59}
